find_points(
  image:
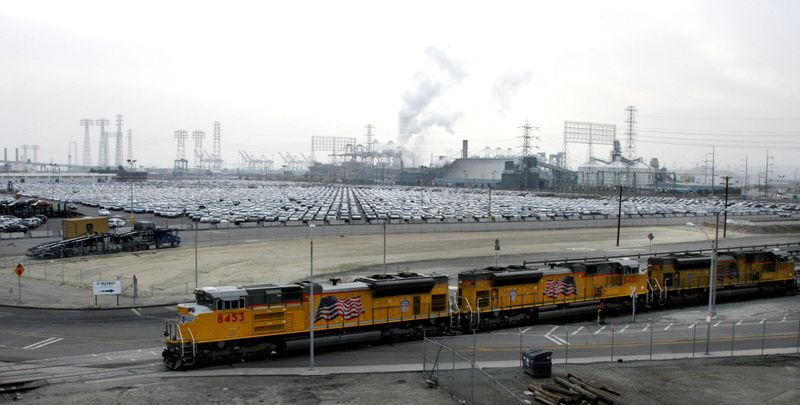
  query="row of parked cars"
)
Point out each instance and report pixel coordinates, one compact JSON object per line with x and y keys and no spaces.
{"x":10,"y":223}
{"x":239,"y":202}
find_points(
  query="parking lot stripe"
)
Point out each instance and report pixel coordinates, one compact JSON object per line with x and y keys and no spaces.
{"x":552,"y":339}
{"x":623,"y":329}
{"x":43,"y":343}
{"x":692,"y":325}
{"x":646,"y":328}
{"x":783,"y":320}
{"x":717,"y":324}
{"x":31,"y":346}
{"x":576,"y":331}
{"x":552,"y":330}
{"x":739,"y":323}
{"x":135,"y":311}
{"x":762,"y":321}
{"x":526,"y":329}
{"x":668,"y":326}
{"x":559,"y":339}
{"x":599,"y":330}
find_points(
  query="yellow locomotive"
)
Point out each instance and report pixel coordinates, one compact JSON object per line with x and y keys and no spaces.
{"x":503,"y":296}
{"x":686,"y":275}
{"x":235,"y":323}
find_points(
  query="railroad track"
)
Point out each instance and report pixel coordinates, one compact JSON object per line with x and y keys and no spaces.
{"x":24,"y":376}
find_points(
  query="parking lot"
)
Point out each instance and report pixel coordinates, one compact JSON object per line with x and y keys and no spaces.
{"x":242,"y":202}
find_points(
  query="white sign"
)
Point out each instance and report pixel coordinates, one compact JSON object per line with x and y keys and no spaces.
{"x":107,"y":287}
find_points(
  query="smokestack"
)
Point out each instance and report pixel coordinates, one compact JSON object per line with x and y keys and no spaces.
{"x":5,"y":154}
{"x":16,"y":156}
{"x":464,"y":149}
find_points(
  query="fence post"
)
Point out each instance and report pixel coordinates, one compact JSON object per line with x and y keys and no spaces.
{"x":733,"y":335}
{"x":763,"y":335}
{"x":472,"y":368}
{"x":453,"y":387}
{"x":651,"y":341}
{"x":612,"y":342}
{"x":566,"y":346}
{"x":798,"y":336}
{"x":424,"y":344}
{"x":694,"y":339}
{"x":520,"y":345}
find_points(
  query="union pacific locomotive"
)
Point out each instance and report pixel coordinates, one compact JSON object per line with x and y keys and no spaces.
{"x":235,"y":323}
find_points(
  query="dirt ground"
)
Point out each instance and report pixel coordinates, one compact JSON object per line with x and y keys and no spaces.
{"x":170,"y":272}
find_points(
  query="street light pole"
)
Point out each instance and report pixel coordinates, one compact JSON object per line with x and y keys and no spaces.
{"x":196,"y":225}
{"x":712,"y":290}
{"x":384,"y":245}
{"x":311,"y":301}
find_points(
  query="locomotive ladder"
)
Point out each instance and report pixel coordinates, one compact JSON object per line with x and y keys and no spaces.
{"x":455,"y":314}
{"x":654,"y":287}
{"x":188,"y":349}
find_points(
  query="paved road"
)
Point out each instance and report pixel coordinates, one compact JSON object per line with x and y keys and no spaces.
{"x":47,"y":344}
{"x":28,"y":334}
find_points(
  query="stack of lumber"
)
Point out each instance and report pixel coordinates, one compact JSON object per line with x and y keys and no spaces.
{"x":570,"y":389}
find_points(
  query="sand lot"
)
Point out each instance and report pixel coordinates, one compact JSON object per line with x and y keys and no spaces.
{"x":168,"y":275}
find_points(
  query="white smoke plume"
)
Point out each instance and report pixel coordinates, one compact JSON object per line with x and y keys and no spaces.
{"x":506,"y":86}
{"x":419,"y":110}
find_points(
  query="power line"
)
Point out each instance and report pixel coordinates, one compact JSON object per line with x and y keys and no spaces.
{"x":719,"y":132}
{"x":721,"y":145}
{"x":722,"y":118}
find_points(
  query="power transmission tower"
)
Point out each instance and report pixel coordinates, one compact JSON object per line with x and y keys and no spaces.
{"x":527,"y":136}
{"x":118,"y":155}
{"x":102,"y":158}
{"x":630,"y":132}
{"x":87,"y":142}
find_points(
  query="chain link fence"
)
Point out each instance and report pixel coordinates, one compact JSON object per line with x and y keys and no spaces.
{"x":458,"y":373}
{"x":455,"y":363}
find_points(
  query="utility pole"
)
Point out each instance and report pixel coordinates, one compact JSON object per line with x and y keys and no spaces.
{"x":766,"y":174}
{"x":619,"y":214}
{"x":745,"y":175}
{"x":725,"y":223}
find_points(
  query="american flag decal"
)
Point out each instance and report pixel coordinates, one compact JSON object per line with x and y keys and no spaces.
{"x":729,"y":272}
{"x":566,"y":287}
{"x":330,"y":307}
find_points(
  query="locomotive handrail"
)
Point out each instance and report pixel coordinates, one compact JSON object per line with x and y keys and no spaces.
{"x":654,"y":254}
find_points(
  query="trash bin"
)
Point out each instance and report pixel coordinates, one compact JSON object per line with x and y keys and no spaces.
{"x":537,"y":363}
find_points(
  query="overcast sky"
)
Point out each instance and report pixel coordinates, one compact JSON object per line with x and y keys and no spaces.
{"x":425,"y":74}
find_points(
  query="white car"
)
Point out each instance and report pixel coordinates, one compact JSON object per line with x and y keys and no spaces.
{"x":115,"y":222}
{"x":103,"y":212}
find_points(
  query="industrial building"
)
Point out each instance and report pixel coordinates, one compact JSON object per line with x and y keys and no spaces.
{"x":619,"y":171}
